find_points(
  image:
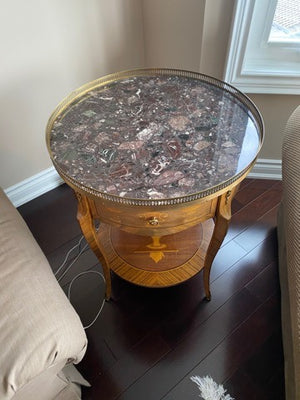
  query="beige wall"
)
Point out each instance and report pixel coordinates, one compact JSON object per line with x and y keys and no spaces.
{"x":275,"y":110}
{"x":215,"y":37}
{"x":189,"y":34}
{"x":49,"y":48}
{"x":173,"y":33}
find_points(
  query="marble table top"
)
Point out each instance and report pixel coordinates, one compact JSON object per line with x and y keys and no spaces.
{"x":155,"y":136}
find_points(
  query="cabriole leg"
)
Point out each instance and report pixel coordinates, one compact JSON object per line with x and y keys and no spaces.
{"x":222,"y":219}
{"x":88,"y":228}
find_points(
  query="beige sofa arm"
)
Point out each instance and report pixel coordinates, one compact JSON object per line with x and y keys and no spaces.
{"x":39,"y":329}
{"x":289,"y":254}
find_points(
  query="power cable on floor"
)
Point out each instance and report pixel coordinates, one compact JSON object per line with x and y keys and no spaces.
{"x":67,"y":269}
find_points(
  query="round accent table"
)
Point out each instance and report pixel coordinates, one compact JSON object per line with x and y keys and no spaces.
{"x":155,"y":157}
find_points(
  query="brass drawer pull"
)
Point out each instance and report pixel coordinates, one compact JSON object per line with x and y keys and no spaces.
{"x":153,"y":221}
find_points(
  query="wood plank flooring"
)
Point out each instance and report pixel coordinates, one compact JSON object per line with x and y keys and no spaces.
{"x":147,"y":343}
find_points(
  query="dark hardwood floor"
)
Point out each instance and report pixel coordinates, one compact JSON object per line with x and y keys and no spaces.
{"x":147,"y":343}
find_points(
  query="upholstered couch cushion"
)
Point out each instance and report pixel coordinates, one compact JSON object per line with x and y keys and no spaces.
{"x":39,"y":328}
{"x":289,"y":254}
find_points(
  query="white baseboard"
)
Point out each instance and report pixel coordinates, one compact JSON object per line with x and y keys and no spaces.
{"x":265,"y":168}
{"x":33,"y":187}
{"x":49,"y":179}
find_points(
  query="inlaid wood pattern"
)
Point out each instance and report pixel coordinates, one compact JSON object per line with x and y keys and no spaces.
{"x":188,"y":261}
{"x":157,"y":253}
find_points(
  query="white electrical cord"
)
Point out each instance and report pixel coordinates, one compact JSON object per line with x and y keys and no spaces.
{"x":103,"y":301}
{"x":67,"y":255}
{"x":75,"y":259}
{"x":78,"y":275}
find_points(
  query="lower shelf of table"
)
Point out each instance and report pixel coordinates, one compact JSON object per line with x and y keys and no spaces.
{"x":156,"y":261}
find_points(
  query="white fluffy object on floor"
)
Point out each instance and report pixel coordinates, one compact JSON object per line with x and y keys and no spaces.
{"x":209,"y":389}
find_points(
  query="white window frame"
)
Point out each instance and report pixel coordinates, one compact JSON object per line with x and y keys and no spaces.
{"x":273,"y":67}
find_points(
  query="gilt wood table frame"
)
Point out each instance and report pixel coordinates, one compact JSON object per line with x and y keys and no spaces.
{"x":98,"y":239}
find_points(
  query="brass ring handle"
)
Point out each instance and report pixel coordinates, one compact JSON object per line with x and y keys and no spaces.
{"x":153,"y":221}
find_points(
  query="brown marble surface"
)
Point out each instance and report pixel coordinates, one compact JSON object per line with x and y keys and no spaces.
{"x":154,"y":137}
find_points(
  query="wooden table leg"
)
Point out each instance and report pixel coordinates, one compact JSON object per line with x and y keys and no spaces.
{"x":88,"y":228}
{"x":222,"y":219}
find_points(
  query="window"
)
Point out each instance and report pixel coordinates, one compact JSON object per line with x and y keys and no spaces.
{"x":264,"y":53}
